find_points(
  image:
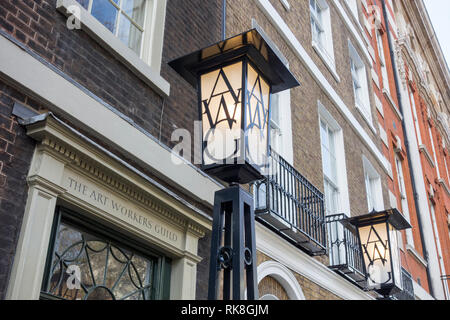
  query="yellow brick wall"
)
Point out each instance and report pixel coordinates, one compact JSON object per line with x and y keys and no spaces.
{"x":311,"y":290}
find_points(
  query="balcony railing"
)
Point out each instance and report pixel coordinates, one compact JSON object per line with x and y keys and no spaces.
{"x":287,"y":202}
{"x":408,"y":288}
{"x":344,"y":250}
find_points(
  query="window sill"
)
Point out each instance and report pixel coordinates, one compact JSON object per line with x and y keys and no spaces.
{"x":111,"y":43}
{"x":444,"y":186}
{"x":366,"y":118}
{"x":329,"y":64}
{"x":423,"y":149}
{"x":286,"y":5}
{"x":392,"y":104}
{"x":416,"y":255}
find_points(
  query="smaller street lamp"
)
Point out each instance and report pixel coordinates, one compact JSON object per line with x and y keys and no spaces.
{"x":377,"y":234}
{"x":234,"y":80}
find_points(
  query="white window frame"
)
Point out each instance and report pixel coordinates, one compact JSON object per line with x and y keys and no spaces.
{"x":323,"y":42}
{"x":119,"y":7}
{"x":384,"y":74}
{"x":148,"y":66}
{"x":280,"y":125}
{"x":404,"y":197}
{"x":416,"y":119}
{"x":343,"y":202}
{"x":353,"y":5}
{"x":446,"y":169}
{"x":148,"y":30}
{"x":331,"y":185}
{"x":434,"y":152}
{"x":361,"y":89}
{"x":374,"y":190}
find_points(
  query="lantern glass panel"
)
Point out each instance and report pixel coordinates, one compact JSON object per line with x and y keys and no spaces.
{"x":393,"y":236}
{"x":375,"y":246}
{"x":257,"y":118}
{"x":221,"y":105}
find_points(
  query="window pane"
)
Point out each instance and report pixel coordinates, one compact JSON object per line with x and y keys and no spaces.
{"x":129,"y":34}
{"x":135,"y":10}
{"x":107,"y":271}
{"x":324,"y":134}
{"x":105,"y":12}
{"x":84,"y":3}
{"x":331,"y":142}
{"x":369,"y":191}
{"x":312,"y":4}
{"x":327,"y":157}
{"x":326,"y":162}
{"x":275,"y":108}
{"x":331,"y":198}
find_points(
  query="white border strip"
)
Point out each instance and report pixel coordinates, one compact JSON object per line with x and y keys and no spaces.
{"x":298,"y":49}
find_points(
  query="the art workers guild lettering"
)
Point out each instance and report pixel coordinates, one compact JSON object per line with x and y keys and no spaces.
{"x":109,"y":203}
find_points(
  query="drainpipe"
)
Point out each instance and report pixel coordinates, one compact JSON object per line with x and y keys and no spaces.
{"x":408,"y":150}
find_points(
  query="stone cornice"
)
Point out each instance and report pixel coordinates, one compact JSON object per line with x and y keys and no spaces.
{"x":424,"y":30}
{"x":443,"y":123}
{"x":406,"y":53}
{"x":45,"y":185}
{"x":64,"y":145}
{"x":95,"y":170}
{"x":418,"y":18}
{"x":434,"y":52}
{"x":414,"y":65}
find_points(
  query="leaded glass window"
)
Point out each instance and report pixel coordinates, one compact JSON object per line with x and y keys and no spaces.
{"x":87,"y":266}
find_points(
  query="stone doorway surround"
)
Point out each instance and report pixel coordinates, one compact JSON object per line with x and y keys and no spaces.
{"x":67,"y":169}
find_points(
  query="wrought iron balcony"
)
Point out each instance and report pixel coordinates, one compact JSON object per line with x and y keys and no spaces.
{"x":344,"y":250}
{"x":408,"y":288}
{"x":287,"y":202}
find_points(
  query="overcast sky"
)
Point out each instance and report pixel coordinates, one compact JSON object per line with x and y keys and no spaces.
{"x":439,"y":11}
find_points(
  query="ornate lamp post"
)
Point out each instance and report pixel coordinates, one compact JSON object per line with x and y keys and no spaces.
{"x":234,"y":79}
{"x":379,"y":245}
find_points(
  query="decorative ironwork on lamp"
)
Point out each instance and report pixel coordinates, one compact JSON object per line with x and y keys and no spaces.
{"x":377,"y":233}
{"x":234,"y":79}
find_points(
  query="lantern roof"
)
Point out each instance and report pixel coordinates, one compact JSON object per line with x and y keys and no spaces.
{"x":251,"y":44}
{"x":393,"y":216}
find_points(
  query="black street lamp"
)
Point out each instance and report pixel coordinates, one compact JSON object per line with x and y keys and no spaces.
{"x":234,"y":79}
{"x":377,"y":234}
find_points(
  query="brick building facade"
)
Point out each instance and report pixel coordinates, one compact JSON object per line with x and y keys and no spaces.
{"x":423,"y":81}
{"x":88,"y":109}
